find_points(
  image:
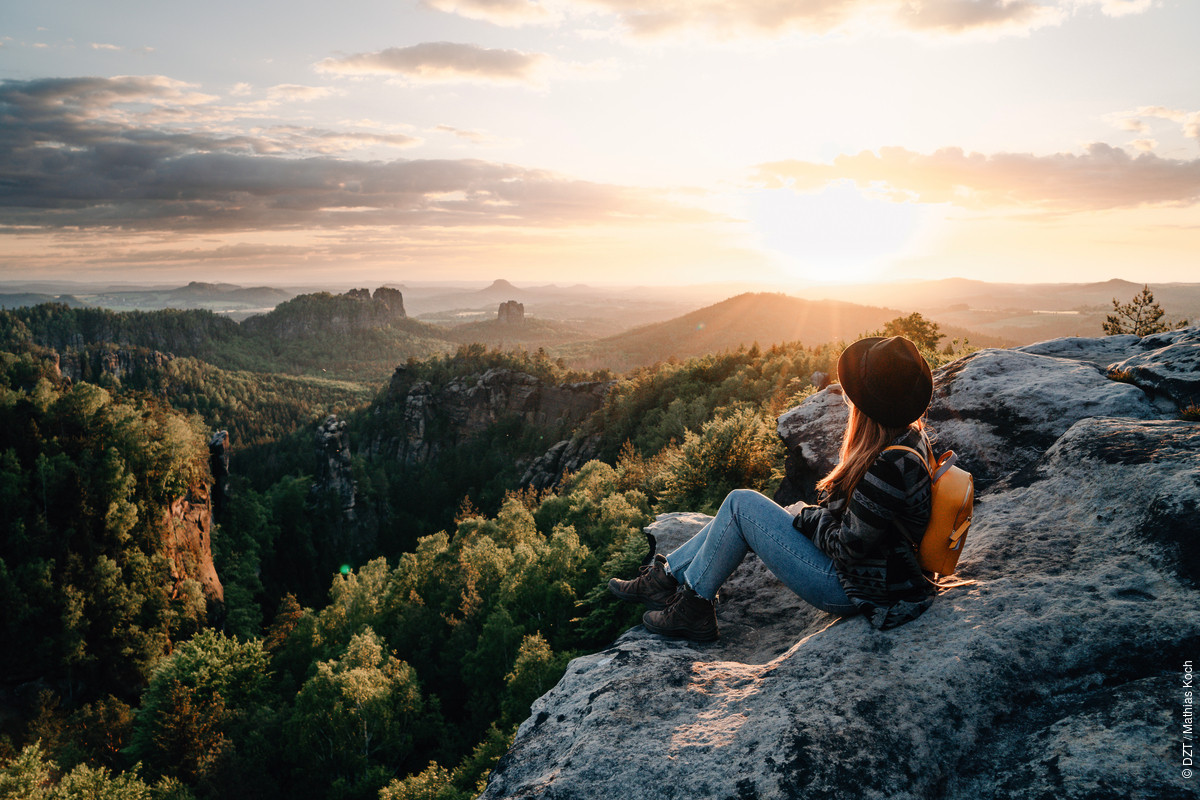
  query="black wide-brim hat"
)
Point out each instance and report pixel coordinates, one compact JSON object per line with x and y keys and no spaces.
{"x":887,"y":379}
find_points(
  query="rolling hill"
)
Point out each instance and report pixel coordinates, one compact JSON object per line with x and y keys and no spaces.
{"x":1021,"y":313}
{"x":742,"y":320}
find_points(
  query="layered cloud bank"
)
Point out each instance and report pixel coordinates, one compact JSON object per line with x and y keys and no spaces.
{"x":725,"y":19}
{"x":444,"y":61}
{"x":76,"y":157}
{"x":1103,"y":177}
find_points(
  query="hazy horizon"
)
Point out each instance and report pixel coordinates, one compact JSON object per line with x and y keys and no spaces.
{"x":564,"y":141}
{"x":343,"y":284}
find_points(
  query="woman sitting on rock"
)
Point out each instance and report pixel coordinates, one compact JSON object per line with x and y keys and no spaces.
{"x":846,"y":555}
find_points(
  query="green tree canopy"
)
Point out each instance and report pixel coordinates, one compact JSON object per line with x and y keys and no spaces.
{"x":924,"y":333}
{"x":359,"y":715}
{"x":203,"y":701}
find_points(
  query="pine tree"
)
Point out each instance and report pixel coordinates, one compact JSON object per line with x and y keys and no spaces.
{"x":1141,"y":316}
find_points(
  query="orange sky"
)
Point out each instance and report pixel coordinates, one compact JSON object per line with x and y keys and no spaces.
{"x":670,"y":141}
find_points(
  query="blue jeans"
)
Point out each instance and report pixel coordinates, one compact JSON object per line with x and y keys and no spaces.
{"x":749,"y":521}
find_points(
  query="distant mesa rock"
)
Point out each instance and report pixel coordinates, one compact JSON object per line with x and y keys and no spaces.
{"x":511,"y":313}
{"x":200,"y":287}
{"x":322,"y":313}
{"x":391,"y":300}
{"x":1056,"y":674}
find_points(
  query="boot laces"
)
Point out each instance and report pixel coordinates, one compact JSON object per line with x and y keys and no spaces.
{"x":676,"y":602}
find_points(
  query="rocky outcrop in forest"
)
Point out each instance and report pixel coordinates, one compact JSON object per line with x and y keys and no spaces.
{"x":188,"y":548}
{"x":1057,"y":673}
{"x":334,"y":476}
{"x":569,"y":455}
{"x":439,"y":417}
{"x":97,"y":362}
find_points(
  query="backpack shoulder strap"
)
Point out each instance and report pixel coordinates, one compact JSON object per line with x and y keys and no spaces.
{"x":914,"y":541}
{"x":928,"y":465}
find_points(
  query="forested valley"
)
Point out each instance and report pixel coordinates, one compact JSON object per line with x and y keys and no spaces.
{"x":339,"y":597}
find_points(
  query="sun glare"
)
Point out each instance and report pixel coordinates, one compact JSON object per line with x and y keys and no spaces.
{"x":837,"y":235}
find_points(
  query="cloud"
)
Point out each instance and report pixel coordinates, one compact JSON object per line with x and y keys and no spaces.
{"x":1132,"y":124}
{"x":500,"y":12}
{"x":89,"y":95}
{"x":1103,"y":177}
{"x":295,"y":138}
{"x":68,"y":161}
{"x":1118,"y":8}
{"x":144,"y":112}
{"x":1189,"y":121}
{"x":956,"y":17}
{"x":730,"y":19}
{"x":444,"y":61}
{"x":735,"y":18}
{"x":134,"y":188}
{"x":475,"y":137}
{"x":296,"y":92}
{"x":239,"y":253}
{"x":116,"y":48}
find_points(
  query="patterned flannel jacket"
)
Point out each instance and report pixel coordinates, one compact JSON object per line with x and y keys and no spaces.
{"x":876,"y":563}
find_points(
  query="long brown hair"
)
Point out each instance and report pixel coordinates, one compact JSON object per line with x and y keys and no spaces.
{"x":863,"y":441}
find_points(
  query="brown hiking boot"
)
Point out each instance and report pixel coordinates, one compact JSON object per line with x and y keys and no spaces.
{"x":653,"y":585}
{"x":689,"y":616}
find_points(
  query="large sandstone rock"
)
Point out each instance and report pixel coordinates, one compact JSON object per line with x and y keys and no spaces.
{"x":1101,"y":352}
{"x":1055,"y":675}
{"x":998,"y":409}
{"x":1050,"y":677}
{"x":811,"y":433}
{"x":1165,"y":365}
{"x":1169,"y":364}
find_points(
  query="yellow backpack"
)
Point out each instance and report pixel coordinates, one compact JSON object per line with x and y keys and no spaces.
{"x":953,"y":503}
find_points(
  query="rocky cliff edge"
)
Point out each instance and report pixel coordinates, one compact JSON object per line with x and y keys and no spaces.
{"x":1058,"y":674}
